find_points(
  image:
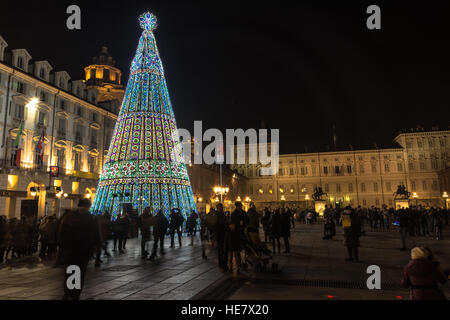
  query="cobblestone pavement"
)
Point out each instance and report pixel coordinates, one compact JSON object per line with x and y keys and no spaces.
{"x":316,"y":268}
{"x":180,"y":274}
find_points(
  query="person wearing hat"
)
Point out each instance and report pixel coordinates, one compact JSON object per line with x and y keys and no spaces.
{"x":422,"y":275}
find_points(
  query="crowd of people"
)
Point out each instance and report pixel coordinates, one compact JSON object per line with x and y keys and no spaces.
{"x":78,"y":236}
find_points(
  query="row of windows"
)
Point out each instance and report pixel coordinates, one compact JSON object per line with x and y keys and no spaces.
{"x":360,"y":158}
{"x":431,"y":141}
{"x":335,"y":170}
{"x":338,"y":187}
{"x":21,"y":87}
{"x":76,"y":160}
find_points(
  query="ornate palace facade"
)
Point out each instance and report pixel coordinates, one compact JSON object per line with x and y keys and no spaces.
{"x":66,"y":116}
{"x":357,"y":177}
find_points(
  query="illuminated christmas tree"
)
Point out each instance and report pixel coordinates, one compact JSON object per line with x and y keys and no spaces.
{"x":144,"y":165}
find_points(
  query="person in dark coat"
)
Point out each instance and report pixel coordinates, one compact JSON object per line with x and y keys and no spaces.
{"x":126,"y":228}
{"x":219,"y":228}
{"x":234,"y":238}
{"x":104,"y":229}
{"x":404,"y":221}
{"x":21,"y":236}
{"x":191,"y":226}
{"x":285,"y":231}
{"x":159,"y":232}
{"x":275,"y":229}
{"x":351,"y":233}
{"x":11,"y":237}
{"x":422,"y":275}
{"x":121,"y":228}
{"x":49,"y":232}
{"x":144,"y":224}
{"x":175,"y":224}
{"x":253,"y":224}
{"x":3,"y":237}
{"x":327,"y":223}
{"x":78,"y":237}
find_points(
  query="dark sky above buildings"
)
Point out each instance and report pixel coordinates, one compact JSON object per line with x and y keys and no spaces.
{"x":300,"y":66}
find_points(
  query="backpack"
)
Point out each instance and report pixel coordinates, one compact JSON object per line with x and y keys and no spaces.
{"x":346,"y":221}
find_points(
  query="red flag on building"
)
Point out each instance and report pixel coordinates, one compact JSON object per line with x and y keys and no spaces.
{"x":40,"y":149}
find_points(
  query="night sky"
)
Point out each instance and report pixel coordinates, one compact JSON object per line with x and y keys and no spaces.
{"x":300,"y":67}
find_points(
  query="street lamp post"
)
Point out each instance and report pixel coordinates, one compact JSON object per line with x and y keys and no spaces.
{"x":445,"y":196}
{"x":222,"y":191}
{"x":415,"y":196}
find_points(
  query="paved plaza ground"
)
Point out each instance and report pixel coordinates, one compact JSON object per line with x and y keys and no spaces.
{"x":315,"y":269}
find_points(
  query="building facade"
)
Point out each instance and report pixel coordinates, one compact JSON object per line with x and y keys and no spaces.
{"x":64,"y":132}
{"x":356,"y":177}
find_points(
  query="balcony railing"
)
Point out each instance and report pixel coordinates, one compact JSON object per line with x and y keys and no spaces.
{"x":24,"y":166}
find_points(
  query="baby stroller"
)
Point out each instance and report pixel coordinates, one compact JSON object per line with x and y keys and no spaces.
{"x":256,"y":255}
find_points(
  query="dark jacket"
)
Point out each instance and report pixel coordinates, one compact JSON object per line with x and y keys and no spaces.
{"x":275,"y":225}
{"x":220,"y":227}
{"x":104,"y":227}
{"x":423,"y":276}
{"x":78,"y":235}
{"x":253,"y":220}
{"x":285,"y":230}
{"x":176,"y":220}
{"x":352,"y":233}
{"x":144,"y":223}
{"x":49,"y":230}
{"x":161,"y":224}
{"x":3,"y":232}
{"x":234,"y":232}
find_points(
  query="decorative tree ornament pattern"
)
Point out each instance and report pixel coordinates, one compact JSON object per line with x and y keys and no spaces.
{"x":144,"y":165}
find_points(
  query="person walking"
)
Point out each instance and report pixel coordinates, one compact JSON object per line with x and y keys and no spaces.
{"x":285,"y":231}
{"x":78,"y":237}
{"x":3,"y":237}
{"x":104,"y":229}
{"x":234,"y":237}
{"x":327,"y":223}
{"x":175,"y":225}
{"x":191,"y":226}
{"x":218,"y":227}
{"x":253,"y":225}
{"x":125,"y":223}
{"x":265,"y":223}
{"x":145,"y":221}
{"x":352,"y":231}
{"x":50,"y":234}
{"x":20,"y":237}
{"x":159,"y":232}
{"x":404,"y":222}
{"x":275,"y":230}
{"x":11,"y":237}
{"x":423,"y":275}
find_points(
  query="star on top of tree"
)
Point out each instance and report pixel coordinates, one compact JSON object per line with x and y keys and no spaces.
{"x":147,"y":21}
